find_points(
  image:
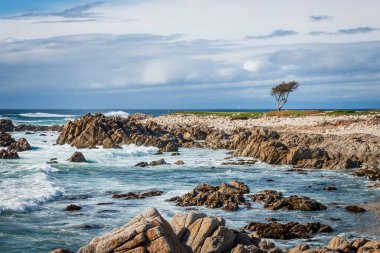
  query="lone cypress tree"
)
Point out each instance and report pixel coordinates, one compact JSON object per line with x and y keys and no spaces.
{"x":281,"y":92}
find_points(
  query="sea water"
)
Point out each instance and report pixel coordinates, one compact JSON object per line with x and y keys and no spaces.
{"x":34,"y":194}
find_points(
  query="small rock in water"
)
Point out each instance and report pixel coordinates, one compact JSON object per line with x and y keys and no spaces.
{"x":175,"y":154}
{"x":73,"y":207}
{"x":8,"y":154}
{"x":158,"y":162}
{"x":179,"y":162}
{"x":61,"y":250}
{"x":355,"y":209}
{"x":142,"y":164}
{"x":134,"y":195}
{"x":330,"y":188}
{"x":77,"y":157}
{"x":158,"y":152}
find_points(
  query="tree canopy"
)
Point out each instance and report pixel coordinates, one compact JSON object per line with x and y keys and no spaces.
{"x":281,"y":92}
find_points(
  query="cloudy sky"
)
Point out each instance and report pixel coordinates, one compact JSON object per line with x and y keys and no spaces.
{"x":188,"y":53}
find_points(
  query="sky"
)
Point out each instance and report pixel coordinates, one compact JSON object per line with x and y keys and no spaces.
{"x":188,"y":54}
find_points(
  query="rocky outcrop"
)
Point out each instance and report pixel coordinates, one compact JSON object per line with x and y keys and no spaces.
{"x":77,"y":157}
{"x":8,"y":154}
{"x":339,"y":244}
{"x":6,"y":139}
{"x":136,"y":195}
{"x":199,"y":233}
{"x":355,"y":209}
{"x":93,"y":130}
{"x":291,"y":230}
{"x":311,"y":150}
{"x":152,"y":163}
{"x":37,"y":128}
{"x":6,"y":125}
{"x":147,"y":232}
{"x":20,"y":145}
{"x":226,"y":196}
{"x":274,"y":200}
{"x":371,"y":173}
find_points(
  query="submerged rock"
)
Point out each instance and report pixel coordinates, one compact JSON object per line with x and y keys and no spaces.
{"x":134,"y":195}
{"x":274,"y":200}
{"x":355,"y":209}
{"x":111,"y":132}
{"x":226,"y":196}
{"x":77,"y":157}
{"x":287,"y":231}
{"x":73,"y":207}
{"x":179,"y":162}
{"x":330,"y":188}
{"x":198,"y":233}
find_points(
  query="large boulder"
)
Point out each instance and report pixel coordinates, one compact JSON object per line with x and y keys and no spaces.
{"x":287,"y":231}
{"x":147,"y":232}
{"x":6,"y":125}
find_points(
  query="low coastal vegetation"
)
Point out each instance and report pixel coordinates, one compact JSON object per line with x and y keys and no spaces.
{"x":285,"y":113}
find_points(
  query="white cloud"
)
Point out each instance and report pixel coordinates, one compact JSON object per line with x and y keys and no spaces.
{"x":252,"y":65}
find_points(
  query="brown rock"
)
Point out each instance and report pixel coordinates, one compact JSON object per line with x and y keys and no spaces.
{"x":8,"y":154}
{"x":6,"y":125}
{"x":133,"y":195}
{"x":158,"y":162}
{"x":147,"y":232}
{"x":226,"y":196}
{"x":287,"y":231}
{"x":61,"y":250}
{"x":274,"y":200}
{"x":6,"y":139}
{"x":179,"y":162}
{"x":77,"y":157}
{"x":73,"y":207}
{"x":355,"y":209}
{"x":330,"y":188}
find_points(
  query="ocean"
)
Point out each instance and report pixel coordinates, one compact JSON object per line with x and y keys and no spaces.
{"x":34,"y":194}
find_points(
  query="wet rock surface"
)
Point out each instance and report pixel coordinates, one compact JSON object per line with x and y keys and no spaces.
{"x":6,"y":125}
{"x":6,"y":139}
{"x":355,"y":209}
{"x":93,"y":130}
{"x":134,"y":195}
{"x":274,"y":200}
{"x":226,"y":196}
{"x":77,"y":157}
{"x":371,"y":173}
{"x":37,"y":128}
{"x":20,"y":145}
{"x":152,"y":163}
{"x":287,"y":231}
{"x":73,"y":207}
{"x":8,"y":154}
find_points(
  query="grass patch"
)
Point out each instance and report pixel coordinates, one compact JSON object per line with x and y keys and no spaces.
{"x":284,"y":113}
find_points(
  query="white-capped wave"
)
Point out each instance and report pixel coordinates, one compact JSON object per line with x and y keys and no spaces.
{"x":26,"y":193}
{"x":117,"y":113}
{"x":45,"y":115}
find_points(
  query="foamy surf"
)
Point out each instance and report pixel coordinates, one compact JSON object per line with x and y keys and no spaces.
{"x":27,"y":193}
{"x":117,"y":113}
{"x":45,"y":115}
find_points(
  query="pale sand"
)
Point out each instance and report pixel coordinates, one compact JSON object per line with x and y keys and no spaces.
{"x":363,"y":124}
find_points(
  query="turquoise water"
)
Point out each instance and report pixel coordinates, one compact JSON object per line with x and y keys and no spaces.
{"x":34,"y":194}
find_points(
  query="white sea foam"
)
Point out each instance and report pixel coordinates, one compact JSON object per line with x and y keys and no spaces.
{"x":45,"y":115}
{"x":27,"y":193}
{"x":117,"y":113}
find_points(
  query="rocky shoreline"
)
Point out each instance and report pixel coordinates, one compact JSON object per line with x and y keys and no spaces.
{"x":197,"y":232}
